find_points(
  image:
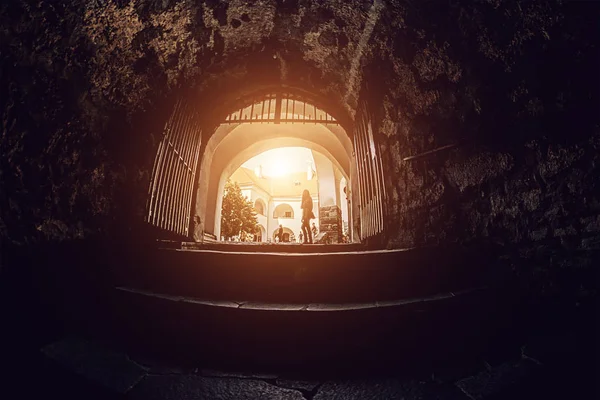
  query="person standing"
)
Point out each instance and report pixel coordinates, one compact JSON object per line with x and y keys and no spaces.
{"x":280,"y":233}
{"x":307,"y":215}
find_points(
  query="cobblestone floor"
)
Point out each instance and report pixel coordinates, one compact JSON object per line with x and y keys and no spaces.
{"x":72,"y":367}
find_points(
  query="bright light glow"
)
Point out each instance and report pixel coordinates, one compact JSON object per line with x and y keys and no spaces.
{"x":278,"y":167}
{"x":281,"y":161}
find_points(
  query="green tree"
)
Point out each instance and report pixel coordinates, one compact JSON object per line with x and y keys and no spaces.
{"x":237,"y":213}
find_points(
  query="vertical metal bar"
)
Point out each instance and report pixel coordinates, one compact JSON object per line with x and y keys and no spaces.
{"x":277,"y":113}
{"x":294,"y":109}
{"x":185,"y":133}
{"x":162,"y":195}
{"x":154,"y":177}
{"x":367,"y":163}
{"x":304,"y":112}
{"x":364,"y":183}
{"x":196,"y":156}
{"x":252,"y":110}
{"x":178,"y":197}
{"x":287,"y":108}
{"x":170,"y":168}
{"x":163,"y":177}
{"x":178,"y":134}
{"x":158,"y":161}
{"x":361,"y":173}
{"x":369,"y":172}
{"x":189,"y":176}
{"x":184,"y":157}
{"x":187,"y":152}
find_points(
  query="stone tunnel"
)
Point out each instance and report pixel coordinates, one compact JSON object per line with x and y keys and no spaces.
{"x":468,"y":124}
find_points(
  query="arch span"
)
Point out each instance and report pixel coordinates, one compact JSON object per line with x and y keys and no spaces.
{"x":225,"y":145}
{"x":230,"y":147}
{"x":283,"y":210}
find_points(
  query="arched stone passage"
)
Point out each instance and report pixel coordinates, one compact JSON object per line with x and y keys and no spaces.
{"x":478,"y":143}
{"x":232,"y":144}
{"x":254,"y":150}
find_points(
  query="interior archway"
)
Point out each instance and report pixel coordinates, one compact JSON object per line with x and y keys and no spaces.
{"x":232,"y":144}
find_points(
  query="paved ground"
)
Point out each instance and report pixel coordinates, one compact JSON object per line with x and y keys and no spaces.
{"x":43,"y":359}
{"x":76,"y":368}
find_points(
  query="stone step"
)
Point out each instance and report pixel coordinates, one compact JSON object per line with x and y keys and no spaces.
{"x":275,"y":277}
{"x":266,"y":247}
{"x":185,"y":330}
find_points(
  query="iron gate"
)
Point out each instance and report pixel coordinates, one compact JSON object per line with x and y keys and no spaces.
{"x":171,"y":188}
{"x":370,"y":175}
{"x":278,"y":108}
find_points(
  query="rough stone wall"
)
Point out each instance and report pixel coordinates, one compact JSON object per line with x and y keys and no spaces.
{"x":524,"y":171}
{"x":330,"y":221}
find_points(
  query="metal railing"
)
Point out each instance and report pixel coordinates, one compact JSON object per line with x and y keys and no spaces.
{"x":370,"y":175}
{"x":279,"y":108}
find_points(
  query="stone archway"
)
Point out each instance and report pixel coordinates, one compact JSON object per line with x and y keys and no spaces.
{"x":233,"y":143}
{"x":205,"y":166}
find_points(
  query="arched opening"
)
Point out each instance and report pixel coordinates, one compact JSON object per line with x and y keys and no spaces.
{"x":283,"y":210}
{"x":259,"y":123}
{"x":260,"y":207}
{"x":261,"y":234}
{"x":288,"y":236}
{"x":279,"y":177}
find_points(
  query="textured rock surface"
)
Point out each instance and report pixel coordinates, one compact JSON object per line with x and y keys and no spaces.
{"x":383,"y":389}
{"x":197,"y":387}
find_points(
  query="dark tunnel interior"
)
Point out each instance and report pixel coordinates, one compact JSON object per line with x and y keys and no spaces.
{"x":471,"y":134}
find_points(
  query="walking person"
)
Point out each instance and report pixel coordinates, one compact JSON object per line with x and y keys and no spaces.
{"x":307,"y":215}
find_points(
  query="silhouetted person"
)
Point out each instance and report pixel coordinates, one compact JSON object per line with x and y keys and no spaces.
{"x":280,"y":233}
{"x":307,"y":215}
{"x":300,"y":237}
{"x":315,"y":232}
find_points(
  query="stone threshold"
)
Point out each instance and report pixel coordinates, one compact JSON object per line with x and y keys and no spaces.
{"x":327,"y":307}
{"x":293,"y":254}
